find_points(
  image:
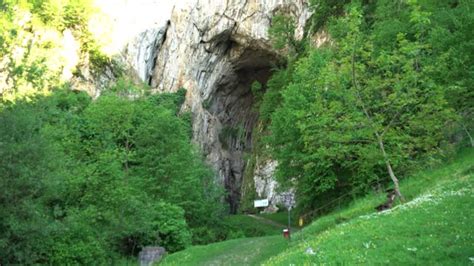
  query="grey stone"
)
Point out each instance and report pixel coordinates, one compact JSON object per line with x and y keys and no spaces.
{"x":267,"y":187}
{"x":140,"y":53}
{"x":150,"y":255}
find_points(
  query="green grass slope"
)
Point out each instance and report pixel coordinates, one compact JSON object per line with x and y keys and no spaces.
{"x":433,"y":227}
{"x":244,"y":251}
{"x":239,"y":226}
{"x":281,"y":218}
{"x":249,"y":251}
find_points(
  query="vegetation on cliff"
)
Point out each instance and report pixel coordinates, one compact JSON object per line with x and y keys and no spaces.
{"x":45,"y":43}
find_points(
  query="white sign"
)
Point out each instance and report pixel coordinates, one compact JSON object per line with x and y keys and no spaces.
{"x":260,"y":203}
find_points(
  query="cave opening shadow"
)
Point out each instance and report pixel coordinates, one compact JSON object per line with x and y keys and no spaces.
{"x":236,"y":107}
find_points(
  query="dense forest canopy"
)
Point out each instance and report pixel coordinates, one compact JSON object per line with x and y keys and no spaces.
{"x":89,"y":181}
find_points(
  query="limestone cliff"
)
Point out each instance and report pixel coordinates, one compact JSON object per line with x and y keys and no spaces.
{"x":141,"y":52}
{"x":216,"y":49}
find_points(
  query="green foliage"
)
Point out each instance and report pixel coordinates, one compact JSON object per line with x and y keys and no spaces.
{"x":452,"y":44}
{"x":324,"y":10}
{"x":282,"y":35}
{"x":258,"y":91}
{"x":172,"y":101}
{"x":231,"y":133}
{"x":94,"y":181}
{"x":89,"y":182}
{"x":256,"y":87}
{"x":287,"y":140}
{"x":282,"y":31}
{"x":248,"y":186}
{"x":382,"y":81}
{"x":272,"y":98}
{"x":25,"y":62}
{"x":98,"y":60}
{"x":25,"y":158}
{"x":38,"y":42}
{"x":206,"y":104}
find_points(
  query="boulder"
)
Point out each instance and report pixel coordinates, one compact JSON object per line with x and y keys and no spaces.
{"x":150,"y":255}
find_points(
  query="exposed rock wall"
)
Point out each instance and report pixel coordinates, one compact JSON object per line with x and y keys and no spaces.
{"x":216,"y":49}
{"x":141,"y":53}
{"x":265,"y":184}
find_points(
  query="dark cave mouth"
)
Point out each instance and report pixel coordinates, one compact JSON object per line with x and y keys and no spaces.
{"x":236,"y":107}
{"x":234,"y":102}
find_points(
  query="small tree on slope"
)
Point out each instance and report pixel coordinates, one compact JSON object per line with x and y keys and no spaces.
{"x":359,"y":111}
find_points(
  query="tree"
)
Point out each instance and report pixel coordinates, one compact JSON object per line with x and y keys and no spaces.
{"x":24,"y":161}
{"x":282,"y":32}
{"x":353,"y":110}
{"x":452,"y":45}
{"x":324,"y":10}
{"x":91,"y":181}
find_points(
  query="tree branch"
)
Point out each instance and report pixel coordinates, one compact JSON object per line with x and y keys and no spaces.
{"x":387,"y":127}
{"x":377,"y":135}
{"x":356,"y":87}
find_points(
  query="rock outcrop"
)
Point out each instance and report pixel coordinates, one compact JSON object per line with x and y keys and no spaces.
{"x":151,"y":255}
{"x":216,"y":49}
{"x":265,"y":184}
{"x":140,"y":54}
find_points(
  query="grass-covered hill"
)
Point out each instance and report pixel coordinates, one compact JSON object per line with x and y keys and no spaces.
{"x":432,"y":227}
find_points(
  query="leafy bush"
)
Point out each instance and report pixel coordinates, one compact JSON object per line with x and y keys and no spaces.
{"x":92,"y":181}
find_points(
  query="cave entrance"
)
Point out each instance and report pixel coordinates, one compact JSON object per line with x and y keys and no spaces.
{"x":235,"y":107}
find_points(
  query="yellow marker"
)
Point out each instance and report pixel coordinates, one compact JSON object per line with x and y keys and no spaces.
{"x":300,"y":222}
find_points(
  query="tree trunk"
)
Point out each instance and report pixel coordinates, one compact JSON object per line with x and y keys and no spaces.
{"x":378,"y":135}
{"x":389,"y":167}
{"x":468,"y":134}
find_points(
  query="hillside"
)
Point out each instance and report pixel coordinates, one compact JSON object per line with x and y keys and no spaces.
{"x":134,"y":129}
{"x":434,"y":226}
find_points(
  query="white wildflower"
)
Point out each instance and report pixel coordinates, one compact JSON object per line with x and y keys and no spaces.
{"x":367,"y":244}
{"x":310,"y":251}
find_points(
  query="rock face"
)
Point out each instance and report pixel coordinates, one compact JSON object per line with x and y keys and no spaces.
{"x":150,"y":255}
{"x":216,"y":49}
{"x":141,"y":53}
{"x":265,"y":184}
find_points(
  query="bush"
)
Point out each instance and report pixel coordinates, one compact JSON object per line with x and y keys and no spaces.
{"x":94,"y":181}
